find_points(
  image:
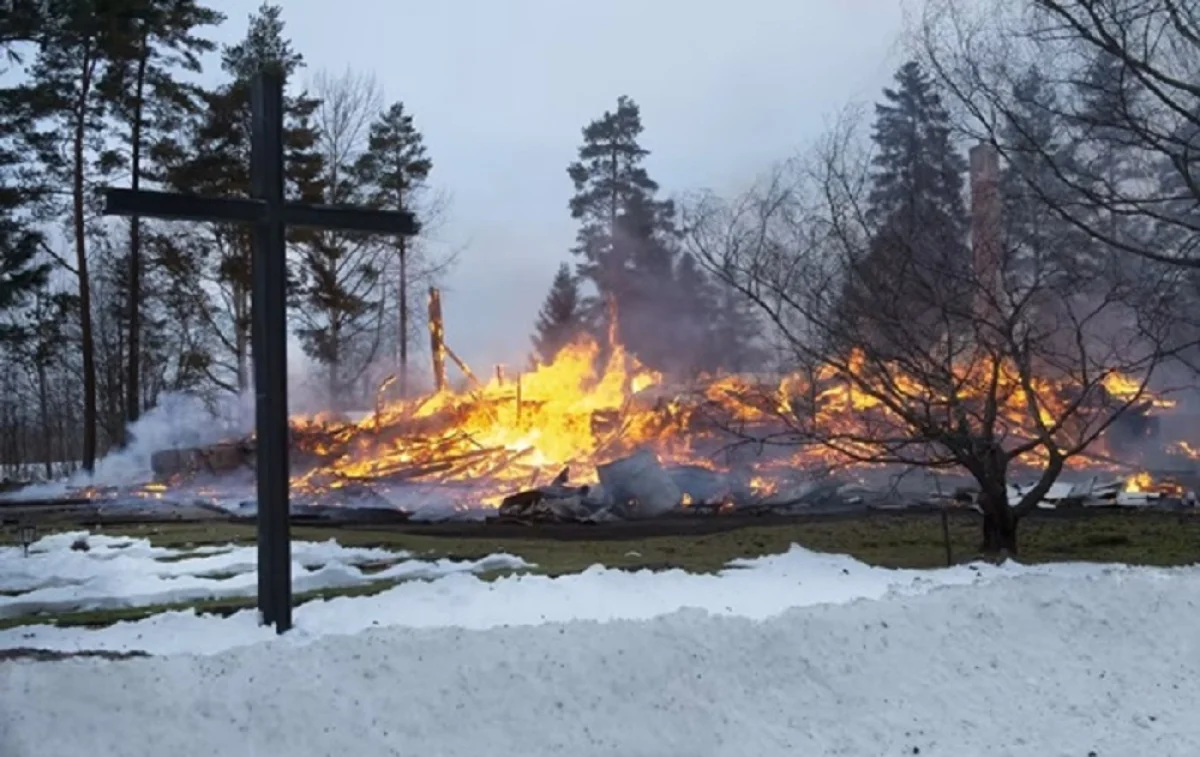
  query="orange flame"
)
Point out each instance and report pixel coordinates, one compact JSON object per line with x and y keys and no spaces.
{"x":593,"y":404}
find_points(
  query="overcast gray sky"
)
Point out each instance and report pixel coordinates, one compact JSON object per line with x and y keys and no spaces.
{"x":501,"y":89}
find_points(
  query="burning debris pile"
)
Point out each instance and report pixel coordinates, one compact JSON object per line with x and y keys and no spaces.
{"x":595,"y":435}
{"x":639,"y":447}
{"x":601,"y":414}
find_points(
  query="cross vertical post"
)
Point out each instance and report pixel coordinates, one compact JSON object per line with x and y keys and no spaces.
{"x":268,"y":215}
{"x":269,"y":337}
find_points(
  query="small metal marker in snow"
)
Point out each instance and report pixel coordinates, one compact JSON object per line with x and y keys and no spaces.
{"x":27,"y":533}
{"x":270,"y":216}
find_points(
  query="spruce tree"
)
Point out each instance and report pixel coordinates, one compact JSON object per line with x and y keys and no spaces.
{"x":393,"y":169}
{"x":560,"y":320}
{"x":918,"y":172}
{"x":917,"y":261}
{"x":1039,"y":241}
{"x":1177,"y":177}
{"x":626,"y":235}
{"x":695,"y":318}
{"x":715,"y":329}
{"x":737,"y":332}
{"x":1110,"y":93}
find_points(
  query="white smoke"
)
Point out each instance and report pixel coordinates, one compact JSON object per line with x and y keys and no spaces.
{"x":178,"y":421}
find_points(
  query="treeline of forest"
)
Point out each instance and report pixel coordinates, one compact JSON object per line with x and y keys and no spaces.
{"x":100,"y":317}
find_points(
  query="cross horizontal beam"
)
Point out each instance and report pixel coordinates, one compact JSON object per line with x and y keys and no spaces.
{"x":181,"y":207}
{"x":184,"y":207}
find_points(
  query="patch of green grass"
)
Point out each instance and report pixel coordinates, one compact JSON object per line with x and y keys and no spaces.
{"x":889,"y":540}
{"x":218,"y":575}
{"x":181,"y":556}
{"x":378,"y":566}
{"x":223,"y":607}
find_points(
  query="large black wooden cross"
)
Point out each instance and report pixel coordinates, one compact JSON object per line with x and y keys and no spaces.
{"x":270,"y":216}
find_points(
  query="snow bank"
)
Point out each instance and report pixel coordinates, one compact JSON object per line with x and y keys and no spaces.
{"x":116,"y":572}
{"x":1103,"y":661}
{"x":758,"y":588}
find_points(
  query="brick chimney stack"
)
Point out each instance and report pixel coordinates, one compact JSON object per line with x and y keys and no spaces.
{"x":987,"y":245}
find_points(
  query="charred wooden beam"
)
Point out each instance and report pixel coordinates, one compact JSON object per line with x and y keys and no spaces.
{"x":437,"y":339}
{"x":214,"y":459}
{"x":462,"y":365}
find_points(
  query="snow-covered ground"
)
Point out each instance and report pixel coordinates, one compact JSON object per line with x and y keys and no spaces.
{"x":796,"y":654}
{"x":126,"y":572}
{"x":81,"y":571}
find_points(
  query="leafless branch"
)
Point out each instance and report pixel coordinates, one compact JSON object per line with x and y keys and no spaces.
{"x":915,"y":359}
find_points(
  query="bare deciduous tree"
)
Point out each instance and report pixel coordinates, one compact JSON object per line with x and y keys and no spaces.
{"x":1119,"y":84}
{"x":352,"y":316}
{"x":348,"y":103}
{"x":340,"y":316}
{"x":1017,"y":363}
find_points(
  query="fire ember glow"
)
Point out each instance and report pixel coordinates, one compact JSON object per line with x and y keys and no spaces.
{"x":596,"y":403}
{"x":728,"y":442}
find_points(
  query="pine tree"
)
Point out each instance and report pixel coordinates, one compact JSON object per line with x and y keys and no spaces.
{"x":110,"y":293}
{"x":918,"y":258}
{"x":23,"y":22}
{"x":22,"y":273}
{"x":394,"y":168}
{"x":626,"y":236}
{"x":155,"y":41}
{"x":264,"y":47}
{"x":214,"y":159}
{"x":65,"y":98}
{"x":47,"y":347}
{"x":560,"y":320}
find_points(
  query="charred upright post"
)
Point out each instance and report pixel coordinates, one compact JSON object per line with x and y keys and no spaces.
{"x":269,"y":216}
{"x":437,"y":339}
